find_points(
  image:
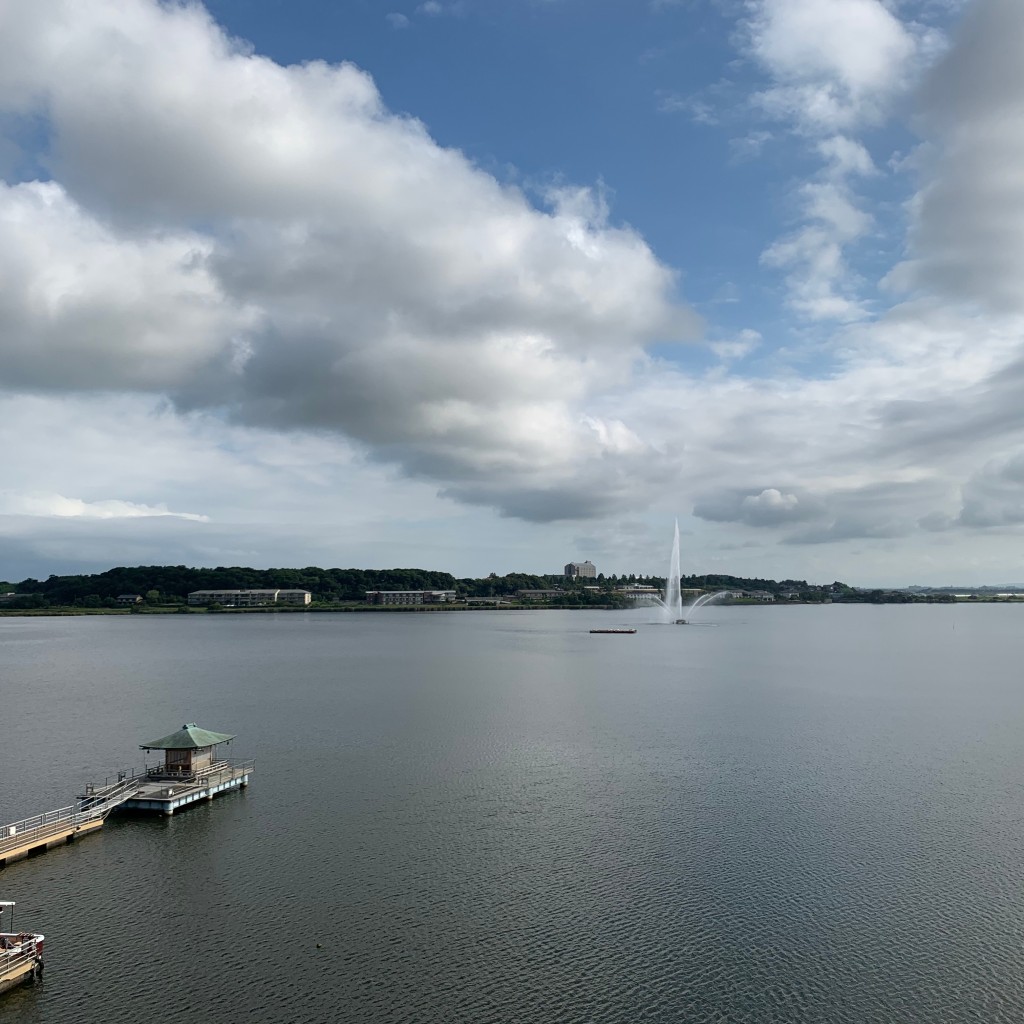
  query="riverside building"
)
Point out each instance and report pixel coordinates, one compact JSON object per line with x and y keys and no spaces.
{"x":410,"y":596}
{"x":249,"y":598}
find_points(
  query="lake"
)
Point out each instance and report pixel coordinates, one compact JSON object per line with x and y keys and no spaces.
{"x":778,"y":814}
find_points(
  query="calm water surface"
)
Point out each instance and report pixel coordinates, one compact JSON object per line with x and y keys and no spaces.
{"x":782,"y":815}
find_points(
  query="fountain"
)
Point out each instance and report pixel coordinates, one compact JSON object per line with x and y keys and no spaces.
{"x":672,"y":602}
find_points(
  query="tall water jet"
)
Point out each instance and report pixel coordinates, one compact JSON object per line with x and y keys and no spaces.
{"x":672,"y":602}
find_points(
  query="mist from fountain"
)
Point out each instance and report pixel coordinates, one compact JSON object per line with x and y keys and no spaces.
{"x":701,"y":601}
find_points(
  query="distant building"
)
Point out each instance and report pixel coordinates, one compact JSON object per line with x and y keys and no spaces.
{"x":410,"y":596}
{"x":587,"y":569}
{"x":249,"y":598}
{"x":539,"y":595}
{"x":129,"y":599}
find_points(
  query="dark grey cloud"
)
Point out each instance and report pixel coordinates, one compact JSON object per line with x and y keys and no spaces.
{"x":994,"y":496}
{"x":967,"y":232}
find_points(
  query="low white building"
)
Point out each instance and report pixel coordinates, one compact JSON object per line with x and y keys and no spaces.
{"x":410,"y":596}
{"x":249,"y":598}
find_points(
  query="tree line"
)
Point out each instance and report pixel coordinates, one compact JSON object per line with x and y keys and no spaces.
{"x":171,"y":584}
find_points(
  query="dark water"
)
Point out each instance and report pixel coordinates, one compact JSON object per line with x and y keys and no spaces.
{"x":794,"y":814}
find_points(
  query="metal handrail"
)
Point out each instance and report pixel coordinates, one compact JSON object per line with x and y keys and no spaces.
{"x":96,"y":804}
{"x":21,"y":832}
{"x":217,"y":768}
{"x":61,"y":814}
{"x":11,"y":960}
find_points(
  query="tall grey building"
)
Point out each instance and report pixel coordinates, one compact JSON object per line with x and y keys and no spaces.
{"x":586,"y":568}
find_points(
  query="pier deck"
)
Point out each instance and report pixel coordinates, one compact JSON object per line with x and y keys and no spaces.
{"x":166,"y":792}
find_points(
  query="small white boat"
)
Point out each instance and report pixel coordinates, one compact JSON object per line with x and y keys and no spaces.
{"x":21,"y":953}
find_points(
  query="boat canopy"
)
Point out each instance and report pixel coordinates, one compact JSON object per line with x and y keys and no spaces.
{"x":188,"y":737}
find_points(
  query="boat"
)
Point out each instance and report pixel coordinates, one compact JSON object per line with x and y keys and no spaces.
{"x":21,"y":954}
{"x":613,"y":631}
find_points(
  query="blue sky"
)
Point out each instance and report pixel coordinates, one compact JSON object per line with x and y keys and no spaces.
{"x":488,"y":286}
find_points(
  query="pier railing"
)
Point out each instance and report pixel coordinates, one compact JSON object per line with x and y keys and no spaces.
{"x":232,"y":767}
{"x":160,"y":772}
{"x":13,"y":963}
{"x":50,"y":823}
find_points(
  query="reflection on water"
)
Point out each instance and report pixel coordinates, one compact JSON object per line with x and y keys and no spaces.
{"x":804,"y":814}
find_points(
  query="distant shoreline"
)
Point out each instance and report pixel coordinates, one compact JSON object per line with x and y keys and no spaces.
{"x":70,"y":611}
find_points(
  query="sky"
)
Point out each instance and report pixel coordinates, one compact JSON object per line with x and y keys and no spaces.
{"x":492,"y":285}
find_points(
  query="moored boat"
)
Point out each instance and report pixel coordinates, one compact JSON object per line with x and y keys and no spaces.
{"x":21,"y":954}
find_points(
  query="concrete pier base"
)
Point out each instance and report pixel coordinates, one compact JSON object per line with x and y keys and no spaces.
{"x":169,"y":797}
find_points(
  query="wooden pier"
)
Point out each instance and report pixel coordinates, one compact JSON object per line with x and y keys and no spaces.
{"x":189,"y":773}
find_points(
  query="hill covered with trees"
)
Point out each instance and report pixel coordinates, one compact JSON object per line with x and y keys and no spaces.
{"x":171,"y":584}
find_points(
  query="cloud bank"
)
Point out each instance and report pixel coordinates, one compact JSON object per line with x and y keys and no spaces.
{"x":197,"y":233}
{"x":274,"y":242}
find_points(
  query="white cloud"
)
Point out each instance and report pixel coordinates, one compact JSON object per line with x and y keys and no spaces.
{"x":58,"y":505}
{"x":820,"y":283}
{"x":834,"y":68}
{"x":397,"y":20}
{"x":273,"y":241}
{"x":835,"y":63}
{"x":739,"y":347}
{"x":85,"y":307}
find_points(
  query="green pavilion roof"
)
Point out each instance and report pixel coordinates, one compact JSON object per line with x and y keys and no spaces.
{"x":188,"y":737}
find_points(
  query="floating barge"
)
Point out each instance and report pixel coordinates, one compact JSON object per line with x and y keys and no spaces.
{"x":21,"y":954}
{"x":613,"y":631}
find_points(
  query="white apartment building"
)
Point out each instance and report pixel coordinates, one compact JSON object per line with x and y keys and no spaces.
{"x":410,"y":596}
{"x":249,"y":598}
